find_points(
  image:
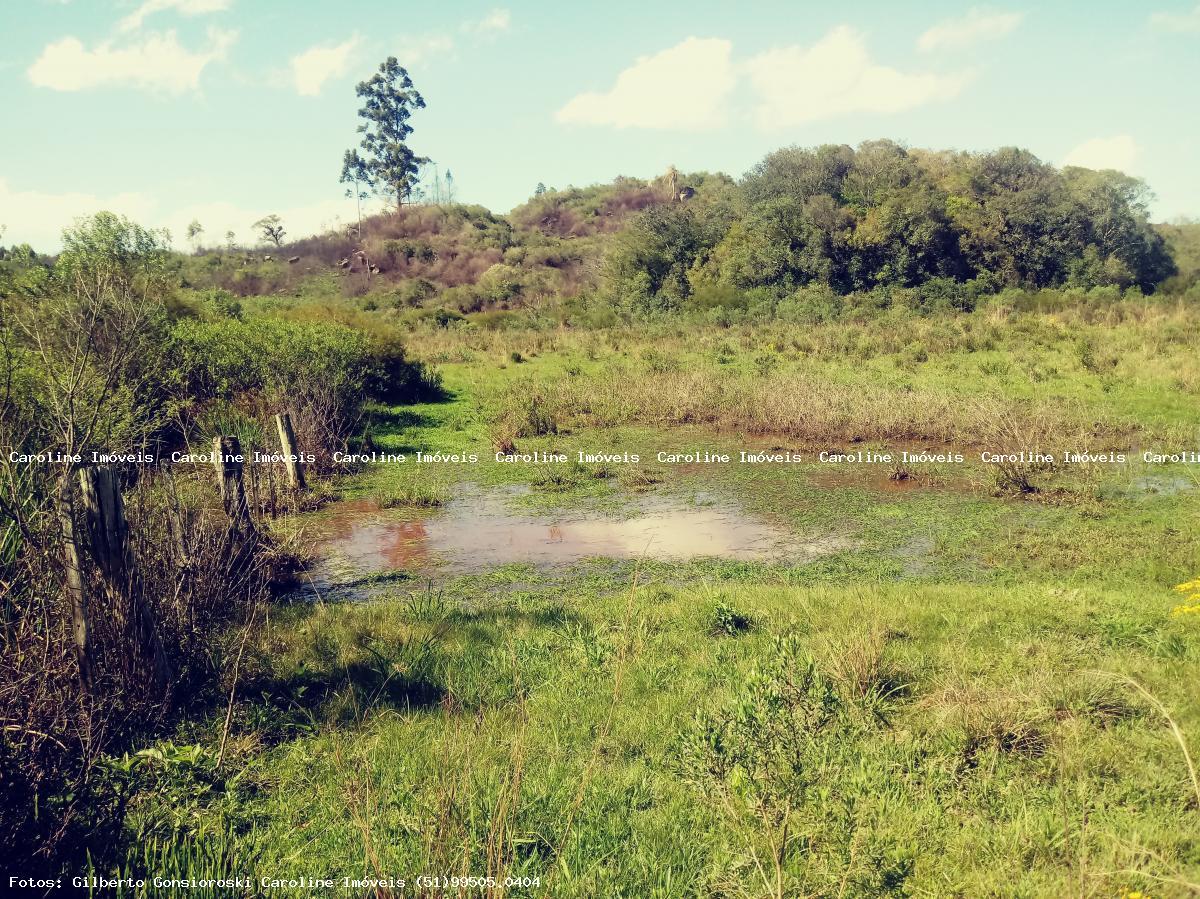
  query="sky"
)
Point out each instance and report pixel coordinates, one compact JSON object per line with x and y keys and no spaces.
{"x":223,"y":111}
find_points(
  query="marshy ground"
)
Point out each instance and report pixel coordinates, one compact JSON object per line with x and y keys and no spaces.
{"x":795,"y":679}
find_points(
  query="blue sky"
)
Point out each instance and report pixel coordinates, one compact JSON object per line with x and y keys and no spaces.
{"x":226,"y":110}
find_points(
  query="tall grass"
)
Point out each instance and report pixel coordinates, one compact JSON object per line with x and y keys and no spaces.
{"x":191,"y":572}
{"x":985,"y":378}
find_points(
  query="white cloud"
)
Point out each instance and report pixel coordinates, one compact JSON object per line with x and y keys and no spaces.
{"x":968,"y":30}
{"x":416,"y":50}
{"x":684,"y":87}
{"x":153,"y":62}
{"x":38,"y":218}
{"x":134,"y":20}
{"x":1118,"y":152}
{"x":1179,"y":22}
{"x":413,"y":51}
{"x":836,"y":77}
{"x":220,"y":216}
{"x":316,"y":65}
{"x":496,"y":21}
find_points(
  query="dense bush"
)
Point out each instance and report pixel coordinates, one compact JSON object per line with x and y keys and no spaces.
{"x":102,"y":349}
{"x":885,"y":217}
{"x":322,"y":372}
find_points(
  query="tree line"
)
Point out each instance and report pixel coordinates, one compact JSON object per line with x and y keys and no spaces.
{"x":883,"y":216}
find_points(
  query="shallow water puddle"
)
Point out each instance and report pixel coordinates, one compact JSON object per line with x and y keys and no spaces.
{"x":481,"y":529}
{"x":877,"y":479}
{"x":1165,"y":484}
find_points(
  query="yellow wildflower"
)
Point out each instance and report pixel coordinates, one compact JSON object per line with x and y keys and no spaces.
{"x":1189,"y":586}
{"x":1191,"y":603}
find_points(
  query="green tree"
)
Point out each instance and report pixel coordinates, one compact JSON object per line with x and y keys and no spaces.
{"x":646,"y":266}
{"x":92,"y":344}
{"x":95,"y":332}
{"x":356,"y":177}
{"x":1112,"y":210}
{"x":107,"y":256}
{"x":386,"y":164}
{"x":762,"y":249}
{"x":906,"y":240}
{"x":22,"y":273}
{"x":800,"y":173}
{"x":271,"y":228}
{"x":194,"y":231}
{"x":880,"y":167}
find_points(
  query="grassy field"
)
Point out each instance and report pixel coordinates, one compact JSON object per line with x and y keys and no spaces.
{"x":1068,"y":381}
{"x":980,"y":692}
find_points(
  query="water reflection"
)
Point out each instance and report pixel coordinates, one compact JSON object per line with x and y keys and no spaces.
{"x":482,"y":530}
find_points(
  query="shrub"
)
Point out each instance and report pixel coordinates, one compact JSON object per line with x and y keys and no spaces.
{"x":320,"y":371}
{"x":812,"y":304}
{"x":411,"y":292}
{"x":441,"y":318}
{"x":716,"y":296}
{"x":725,"y":620}
{"x":536,"y":419}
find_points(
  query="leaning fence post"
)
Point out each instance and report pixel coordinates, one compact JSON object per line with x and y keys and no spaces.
{"x":227,"y":459}
{"x":291,"y":453}
{"x":108,"y":540}
{"x":80,"y":626}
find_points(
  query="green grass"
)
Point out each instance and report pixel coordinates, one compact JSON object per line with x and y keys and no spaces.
{"x":414,"y":494}
{"x":978,"y":740}
{"x":1130,"y":370}
{"x":943,"y":707}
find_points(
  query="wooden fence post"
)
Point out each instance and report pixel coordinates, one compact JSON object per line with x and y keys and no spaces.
{"x":108,"y":540}
{"x":291,"y":453}
{"x":227,"y":459}
{"x":80,"y":626}
{"x":104,"y":512}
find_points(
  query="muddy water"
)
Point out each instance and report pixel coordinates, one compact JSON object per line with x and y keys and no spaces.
{"x":480,"y":529}
{"x":874,"y":478}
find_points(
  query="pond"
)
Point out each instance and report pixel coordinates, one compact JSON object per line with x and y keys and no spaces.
{"x":480,"y":529}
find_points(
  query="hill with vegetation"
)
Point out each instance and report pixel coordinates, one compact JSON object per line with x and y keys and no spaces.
{"x":880,"y":224}
{"x":807,"y":234}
